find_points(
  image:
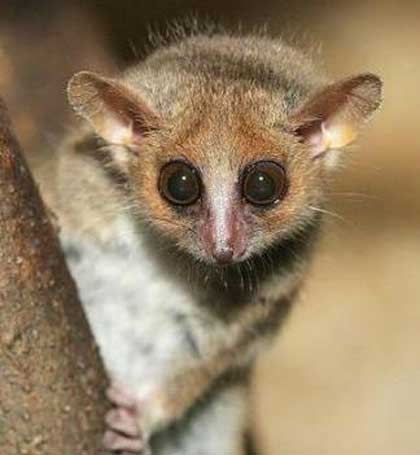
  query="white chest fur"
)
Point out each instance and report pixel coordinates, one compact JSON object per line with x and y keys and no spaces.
{"x":147,"y":325}
{"x":142,"y":320}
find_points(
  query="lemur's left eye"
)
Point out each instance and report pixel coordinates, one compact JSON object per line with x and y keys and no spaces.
{"x":179,"y":183}
{"x":264,"y":183}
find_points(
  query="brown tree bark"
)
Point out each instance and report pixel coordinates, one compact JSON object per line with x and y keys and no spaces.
{"x":51,"y":378}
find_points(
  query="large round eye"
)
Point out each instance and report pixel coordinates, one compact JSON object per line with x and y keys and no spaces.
{"x":179,"y":183}
{"x":264,"y":183}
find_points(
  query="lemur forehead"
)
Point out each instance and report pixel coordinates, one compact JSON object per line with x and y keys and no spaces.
{"x":228,"y":109}
{"x":216,"y":142}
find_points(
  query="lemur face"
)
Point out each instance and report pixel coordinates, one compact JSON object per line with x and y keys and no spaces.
{"x":229,"y":170}
{"x":228,"y":188}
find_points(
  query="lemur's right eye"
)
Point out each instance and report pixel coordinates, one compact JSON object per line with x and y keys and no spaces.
{"x":179,"y":183}
{"x":264,"y":183}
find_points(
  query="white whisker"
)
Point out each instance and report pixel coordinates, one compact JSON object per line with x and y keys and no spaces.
{"x":329,"y":213}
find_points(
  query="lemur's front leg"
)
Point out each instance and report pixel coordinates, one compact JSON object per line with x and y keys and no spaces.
{"x":139,"y":414}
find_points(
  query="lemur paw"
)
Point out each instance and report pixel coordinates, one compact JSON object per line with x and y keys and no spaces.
{"x":124,"y":434}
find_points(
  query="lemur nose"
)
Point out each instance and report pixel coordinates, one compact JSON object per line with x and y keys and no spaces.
{"x":223,"y":256}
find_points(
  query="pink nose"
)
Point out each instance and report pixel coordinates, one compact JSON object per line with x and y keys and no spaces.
{"x":223,"y":246}
{"x":223,"y":255}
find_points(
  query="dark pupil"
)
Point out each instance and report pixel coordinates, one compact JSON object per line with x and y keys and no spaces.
{"x":260,"y":187}
{"x":264,"y":183}
{"x":181,"y":186}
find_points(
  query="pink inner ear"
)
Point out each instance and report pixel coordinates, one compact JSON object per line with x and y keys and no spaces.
{"x":316,"y":141}
{"x":312,"y":134}
{"x":116,"y":112}
{"x":334,"y":116}
{"x":332,"y":134}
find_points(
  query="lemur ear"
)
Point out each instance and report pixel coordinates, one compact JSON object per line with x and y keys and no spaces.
{"x":116,"y":113}
{"x":334,"y":117}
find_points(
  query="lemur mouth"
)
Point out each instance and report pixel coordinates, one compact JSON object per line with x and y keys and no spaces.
{"x":227,"y":257}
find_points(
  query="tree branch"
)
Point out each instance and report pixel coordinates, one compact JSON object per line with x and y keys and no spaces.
{"x":51,"y":379}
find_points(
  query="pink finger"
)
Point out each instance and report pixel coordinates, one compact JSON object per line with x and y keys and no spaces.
{"x":120,"y":397}
{"x":115,"y":441}
{"x":122,"y":420}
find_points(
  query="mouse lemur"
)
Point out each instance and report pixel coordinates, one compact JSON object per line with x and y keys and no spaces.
{"x":189,"y":203}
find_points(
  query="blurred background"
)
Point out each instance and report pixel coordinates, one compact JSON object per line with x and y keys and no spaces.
{"x":344,"y":376}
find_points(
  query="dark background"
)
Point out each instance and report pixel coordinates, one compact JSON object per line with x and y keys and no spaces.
{"x":127,"y":21}
{"x":344,"y":376}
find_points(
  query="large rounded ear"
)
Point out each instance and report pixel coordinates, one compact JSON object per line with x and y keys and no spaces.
{"x":334,"y":116}
{"x":116,"y":113}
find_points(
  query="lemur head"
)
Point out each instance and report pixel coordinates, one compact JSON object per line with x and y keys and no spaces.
{"x":230,"y":169}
